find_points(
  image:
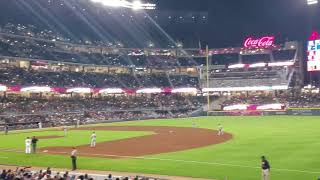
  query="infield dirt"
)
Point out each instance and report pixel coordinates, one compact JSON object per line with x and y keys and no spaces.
{"x":163,"y":140}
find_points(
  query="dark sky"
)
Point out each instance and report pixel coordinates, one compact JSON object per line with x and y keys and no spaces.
{"x":230,"y":21}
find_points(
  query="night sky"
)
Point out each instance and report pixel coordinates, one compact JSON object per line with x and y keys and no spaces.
{"x":230,"y":21}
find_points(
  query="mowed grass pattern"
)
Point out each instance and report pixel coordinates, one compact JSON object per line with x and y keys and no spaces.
{"x":291,"y":143}
{"x":73,"y":138}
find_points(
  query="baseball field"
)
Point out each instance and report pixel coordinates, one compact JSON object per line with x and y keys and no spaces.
{"x":175,"y":147}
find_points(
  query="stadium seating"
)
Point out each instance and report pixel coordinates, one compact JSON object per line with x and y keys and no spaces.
{"x":251,"y":78}
{"x":144,"y":69}
{"x":21,"y":112}
{"x":19,"y":76}
{"x":45,"y":49}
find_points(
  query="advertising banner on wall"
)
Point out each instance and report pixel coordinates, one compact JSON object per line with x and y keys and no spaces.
{"x":262,"y":42}
{"x":313,"y":52}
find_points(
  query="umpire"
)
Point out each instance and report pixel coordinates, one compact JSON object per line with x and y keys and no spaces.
{"x":74,"y":158}
{"x":34,"y":141}
{"x":6,"y":129}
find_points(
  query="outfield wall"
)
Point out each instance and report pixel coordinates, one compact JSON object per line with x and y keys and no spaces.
{"x":304,"y":112}
{"x":296,"y":112}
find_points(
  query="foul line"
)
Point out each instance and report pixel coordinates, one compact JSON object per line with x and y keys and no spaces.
{"x":172,"y":160}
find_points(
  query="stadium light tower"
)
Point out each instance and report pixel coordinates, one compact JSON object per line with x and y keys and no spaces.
{"x":151,"y":44}
{"x":312,"y":2}
{"x":179,"y":45}
{"x":136,"y":5}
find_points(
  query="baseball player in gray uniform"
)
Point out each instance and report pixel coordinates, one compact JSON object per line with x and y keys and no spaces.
{"x":220,"y":130}
{"x":93,"y":140}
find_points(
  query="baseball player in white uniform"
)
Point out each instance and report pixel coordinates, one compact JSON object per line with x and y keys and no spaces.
{"x":220,"y":130}
{"x":28,"y":145}
{"x":40,"y":125}
{"x":78,"y":123}
{"x":65,"y":130}
{"x":93,"y":139}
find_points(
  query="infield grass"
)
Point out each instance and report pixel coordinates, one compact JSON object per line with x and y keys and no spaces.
{"x":291,"y":143}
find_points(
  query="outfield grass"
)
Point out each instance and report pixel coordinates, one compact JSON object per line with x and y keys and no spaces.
{"x":73,"y":138}
{"x":291,"y":143}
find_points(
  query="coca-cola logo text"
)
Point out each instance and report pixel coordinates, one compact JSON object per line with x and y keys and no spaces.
{"x":264,"y":42}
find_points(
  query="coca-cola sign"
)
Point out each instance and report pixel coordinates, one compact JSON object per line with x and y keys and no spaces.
{"x":263,"y":42}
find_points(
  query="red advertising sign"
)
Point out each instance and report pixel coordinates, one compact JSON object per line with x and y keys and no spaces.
{"x":314,"y":36}
{"x":263,"y":42}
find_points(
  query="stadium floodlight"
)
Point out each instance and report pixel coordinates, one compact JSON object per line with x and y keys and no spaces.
{"x":151,"y":44}
{"x":136,"y":5}
{"x":281,"y":87}
{"x":36,"y":89}
{"x":185,"y":90}
{"x":236,"y":66}
{"x":79,"y":90}
{"x":236,"y":107}
{"x":3,"y":88}
{"x":312,"y":2}
{"x":287,"y":63}
{"x":271,"y":107}
{"x":179,"y":45}
{"x":149,"y":91}
{"x":251,"y":88}
{"x":111,"y":91}
{"x":257,"y":65}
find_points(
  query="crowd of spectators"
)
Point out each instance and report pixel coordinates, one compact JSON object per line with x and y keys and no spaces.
{"x":23,"y":105}
{"x":29,"y":41}
{"x":30,"y":121}
{"x":41,"y":33}
{"x":24,"y":77}
{"x":45,"y":45}
{"x":22,"y":112}
{"x":305,"y":100}
{"x":266,"y":76}
{"x":299,"y":100}
{"x":26,"y":173}
{"x":258,"y":99}
{"x":32,"y":31}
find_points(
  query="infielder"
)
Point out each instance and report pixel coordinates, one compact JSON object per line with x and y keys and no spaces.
{"x":220,"y":130}
{"x":93,"y":139}
{"x":194,"y":124}
{"x":28,"y":145}
{"x":65,"y":130}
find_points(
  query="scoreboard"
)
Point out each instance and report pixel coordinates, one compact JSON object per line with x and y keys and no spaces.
{"x":314,"y":55}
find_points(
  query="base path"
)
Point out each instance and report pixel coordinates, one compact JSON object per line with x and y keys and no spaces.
{"x":164,"y":140}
